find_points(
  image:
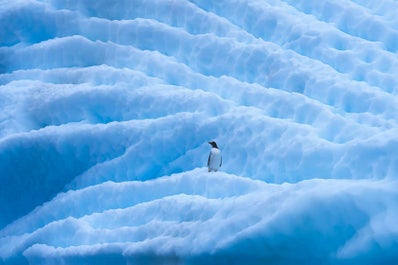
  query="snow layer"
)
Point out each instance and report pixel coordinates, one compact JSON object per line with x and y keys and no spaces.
{"x":107,"y":108}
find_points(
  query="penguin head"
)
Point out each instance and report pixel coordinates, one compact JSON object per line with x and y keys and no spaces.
{"x":213,"y":144}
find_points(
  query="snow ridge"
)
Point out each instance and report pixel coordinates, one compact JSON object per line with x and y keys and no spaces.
{"x":107,"y":108}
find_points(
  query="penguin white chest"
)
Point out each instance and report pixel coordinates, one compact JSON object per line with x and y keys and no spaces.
{"x":215,"y":160}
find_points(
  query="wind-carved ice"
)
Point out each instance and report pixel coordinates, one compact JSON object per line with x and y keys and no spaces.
{"x":107,"y":108}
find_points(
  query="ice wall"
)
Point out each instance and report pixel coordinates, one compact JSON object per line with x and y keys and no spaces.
{"x":107,"y":107}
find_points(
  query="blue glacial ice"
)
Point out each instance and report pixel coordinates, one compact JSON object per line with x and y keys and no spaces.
{"x":107,"y":108}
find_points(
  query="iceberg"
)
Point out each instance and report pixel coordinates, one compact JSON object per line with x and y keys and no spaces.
{"x":107,"y":108}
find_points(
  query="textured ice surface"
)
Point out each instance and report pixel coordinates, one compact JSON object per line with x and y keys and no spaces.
{"x":107,"y":108}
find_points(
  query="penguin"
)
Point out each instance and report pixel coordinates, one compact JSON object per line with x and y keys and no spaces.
{"x":214,"y":161}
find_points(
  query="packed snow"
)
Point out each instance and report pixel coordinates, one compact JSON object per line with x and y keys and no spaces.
{"x":107,"y":108}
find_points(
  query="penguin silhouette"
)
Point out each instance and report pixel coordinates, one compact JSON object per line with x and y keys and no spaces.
{"x":214,"y":161}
